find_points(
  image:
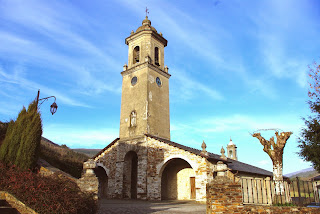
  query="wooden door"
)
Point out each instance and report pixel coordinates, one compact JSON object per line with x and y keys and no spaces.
{"x":192,"y":188}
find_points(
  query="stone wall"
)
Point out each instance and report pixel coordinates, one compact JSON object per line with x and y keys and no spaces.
{"x":225,"y":196}
{"x":153,"y":158}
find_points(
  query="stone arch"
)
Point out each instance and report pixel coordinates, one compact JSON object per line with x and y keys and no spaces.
{"x":136,"y":54}
{"x":104,"y":167}
{"x":130,"y":175}
{"x":163,"y":164}
{"x":156,"y":56}
{"x":178,"y":180}
{"x":102,"y":175}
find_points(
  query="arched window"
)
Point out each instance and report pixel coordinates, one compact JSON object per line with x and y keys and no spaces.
{"x":156,"y":56}
{"x":136,"y":54}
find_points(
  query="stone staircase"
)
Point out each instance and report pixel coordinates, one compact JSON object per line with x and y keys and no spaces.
{"x":5,"y":208}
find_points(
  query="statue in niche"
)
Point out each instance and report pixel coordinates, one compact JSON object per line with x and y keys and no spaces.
{"x":133,"y":118}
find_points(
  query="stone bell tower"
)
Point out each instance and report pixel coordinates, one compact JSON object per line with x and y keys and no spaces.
{"x":145,"y":85}
{"x":232,"y":150}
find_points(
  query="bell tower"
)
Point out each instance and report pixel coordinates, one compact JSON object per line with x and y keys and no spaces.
{"x":232,"y":150}
{"x":145,"y":85}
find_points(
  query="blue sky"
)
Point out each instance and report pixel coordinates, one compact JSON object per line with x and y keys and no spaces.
{"x":236,"y":66}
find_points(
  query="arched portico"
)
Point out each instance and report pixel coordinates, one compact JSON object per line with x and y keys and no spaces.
{"x":162,"y":165}
{"x":102,"y":176}
{"x":130,"y":175}
{"x":177,"y":180}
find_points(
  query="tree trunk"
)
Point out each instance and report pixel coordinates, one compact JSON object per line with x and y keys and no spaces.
{"x":278,"y":177}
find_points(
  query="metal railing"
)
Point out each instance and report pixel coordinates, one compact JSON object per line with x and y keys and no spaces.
{"x":268,"y":192}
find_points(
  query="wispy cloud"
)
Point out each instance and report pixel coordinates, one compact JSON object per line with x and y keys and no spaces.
{"x":188,"y":88}
{"x":80,"y":137}
{"x":31,"y":85}
{"x":239,"y":123}
{"x":51,"y":39}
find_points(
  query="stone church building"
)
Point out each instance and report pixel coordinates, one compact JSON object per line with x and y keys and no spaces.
{"x":143,"y":163}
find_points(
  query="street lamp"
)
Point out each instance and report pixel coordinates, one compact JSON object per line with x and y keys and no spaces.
{"x":53,"y":107}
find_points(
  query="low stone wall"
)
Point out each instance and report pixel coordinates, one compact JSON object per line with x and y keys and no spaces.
{"x":225,"y":196}
{"x":15,"y":203}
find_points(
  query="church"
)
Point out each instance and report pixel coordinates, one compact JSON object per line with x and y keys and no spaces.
{"x":143,"y":163}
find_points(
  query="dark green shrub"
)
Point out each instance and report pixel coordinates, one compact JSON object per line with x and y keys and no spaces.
{"x":63,"y":158}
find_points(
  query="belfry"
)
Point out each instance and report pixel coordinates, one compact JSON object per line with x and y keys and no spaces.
{"x":145,"y":86}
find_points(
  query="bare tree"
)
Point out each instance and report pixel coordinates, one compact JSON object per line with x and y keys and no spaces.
{"x":275,"y":152}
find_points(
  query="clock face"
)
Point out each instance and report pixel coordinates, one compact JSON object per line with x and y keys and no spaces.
{"x":159,"y":83}
{"x":134,"y":81}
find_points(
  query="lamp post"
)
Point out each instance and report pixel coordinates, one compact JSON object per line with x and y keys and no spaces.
{"x":53,"y":107}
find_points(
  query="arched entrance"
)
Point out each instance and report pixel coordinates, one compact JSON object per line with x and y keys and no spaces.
{"x":178,"y":180}
{"x":103,"y":181}
{"x":130,"y":175}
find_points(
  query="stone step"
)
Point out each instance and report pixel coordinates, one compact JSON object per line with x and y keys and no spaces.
{"x":4,"y":203}
{"x":5,"y":208}
{"x":8,"y":210}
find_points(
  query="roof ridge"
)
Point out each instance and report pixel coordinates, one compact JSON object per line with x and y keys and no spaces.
{"x":105,"y":148}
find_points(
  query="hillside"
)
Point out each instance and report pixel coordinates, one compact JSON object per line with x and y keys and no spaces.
{"x":88,"y":152}
{"x":62,"y":157}
{"x":304,"y":174}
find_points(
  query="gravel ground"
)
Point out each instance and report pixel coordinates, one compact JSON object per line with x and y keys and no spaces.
{"x":144,"y":207}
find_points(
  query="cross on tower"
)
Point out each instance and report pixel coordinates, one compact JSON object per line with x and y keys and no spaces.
{"x":147,"y":11}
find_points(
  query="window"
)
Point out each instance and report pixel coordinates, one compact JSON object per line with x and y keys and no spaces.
{"x":136,"y":54}
{"x":156,"y":56}
{"x":134,"y":80}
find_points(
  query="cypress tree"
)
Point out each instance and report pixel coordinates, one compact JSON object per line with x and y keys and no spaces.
{"x":6,"y":142}
{"x":12,"y":139}
{"x":22,"y":141}
{"x":28,"y":152}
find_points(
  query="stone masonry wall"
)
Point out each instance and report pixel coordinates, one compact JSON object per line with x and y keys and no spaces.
{"x":153,"y":156}
{"x":225,"y":196}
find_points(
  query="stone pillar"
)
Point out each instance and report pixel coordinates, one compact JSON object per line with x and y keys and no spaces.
{"x":118,"y":185}
{"x":89,"y":182}
{"x":201,"y":180}
{"x":221,"y":169}
{"x":224,"y":196}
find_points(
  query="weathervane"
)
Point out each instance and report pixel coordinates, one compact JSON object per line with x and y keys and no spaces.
{"x":147,"y":11}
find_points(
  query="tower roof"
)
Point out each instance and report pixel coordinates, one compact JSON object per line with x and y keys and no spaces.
{"x":231,"y":143}
{"x":146,"y":25}
{"x":148,"y":29}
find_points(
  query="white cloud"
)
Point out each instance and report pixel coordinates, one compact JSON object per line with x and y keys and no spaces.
{"x":264,"y":163}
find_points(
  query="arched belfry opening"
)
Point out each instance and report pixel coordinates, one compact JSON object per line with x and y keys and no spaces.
{"x":136,"y":54}
{"x":178,"y":181}
{"x":230,"y":154}
{"x":156,"y":56}
{"x":130,"y":175}
{"x":103,"y":181}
